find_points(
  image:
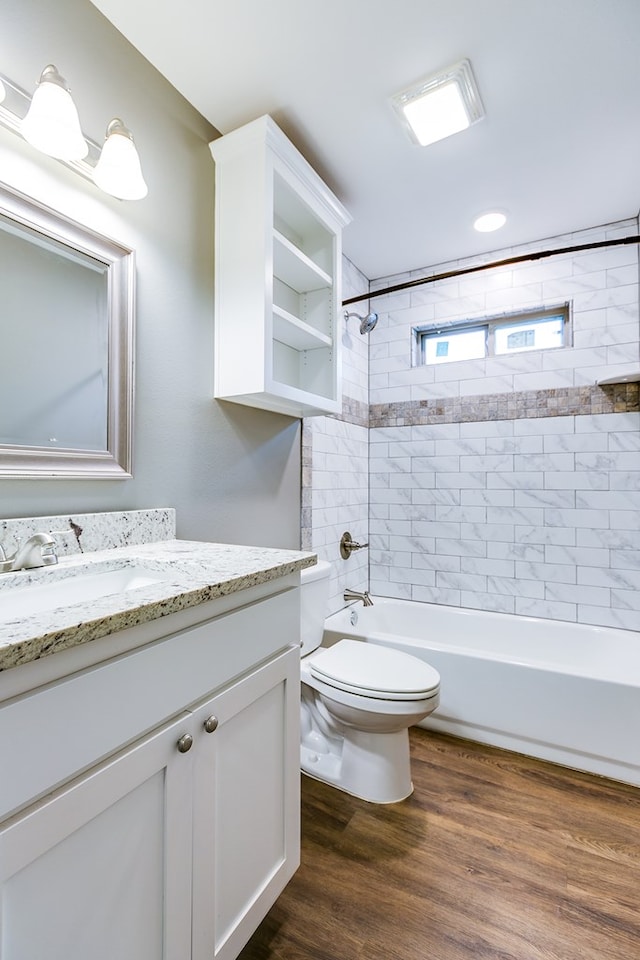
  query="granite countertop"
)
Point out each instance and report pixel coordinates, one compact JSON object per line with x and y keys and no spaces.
{"x":192,"y":573}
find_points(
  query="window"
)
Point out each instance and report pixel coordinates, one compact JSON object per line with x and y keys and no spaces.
{"x":466,"y":344}
{"x":496,"y":336}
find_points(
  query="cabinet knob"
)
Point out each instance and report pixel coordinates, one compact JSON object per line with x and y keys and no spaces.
{"x":211,"y":724}
{"x":185,"y":743}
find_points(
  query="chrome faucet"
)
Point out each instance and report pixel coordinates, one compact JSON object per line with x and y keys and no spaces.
{"x":354,"y":595}
{"x":37,"y":551}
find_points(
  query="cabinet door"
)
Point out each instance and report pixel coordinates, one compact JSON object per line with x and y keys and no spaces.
{"x":246,"y":805}
{"x":101,"y":869}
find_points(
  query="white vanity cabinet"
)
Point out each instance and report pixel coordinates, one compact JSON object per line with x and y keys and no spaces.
{"x":155,"y":794}
{"x":246,"y":805}
{"x":278,"y":257}
{"x":101,"y":868}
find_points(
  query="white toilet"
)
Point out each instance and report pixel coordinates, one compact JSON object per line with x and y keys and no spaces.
{"x":358,"y":702}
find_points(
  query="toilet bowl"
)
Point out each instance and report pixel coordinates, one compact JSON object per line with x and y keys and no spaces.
{"x":357,"y":704}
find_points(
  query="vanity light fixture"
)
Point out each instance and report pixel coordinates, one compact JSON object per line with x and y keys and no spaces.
{"x":490,"y":221}
{"x":441,"y":105}
{"x":49,"y":122}
{"x":118,"y":170}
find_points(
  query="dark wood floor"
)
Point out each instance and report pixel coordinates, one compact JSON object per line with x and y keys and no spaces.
{"x":494,"y":857}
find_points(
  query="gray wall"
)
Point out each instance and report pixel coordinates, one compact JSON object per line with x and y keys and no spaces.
{"x":232,"y":473}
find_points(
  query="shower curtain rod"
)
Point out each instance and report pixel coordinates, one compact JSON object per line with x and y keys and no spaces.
{"x":509,"y":261}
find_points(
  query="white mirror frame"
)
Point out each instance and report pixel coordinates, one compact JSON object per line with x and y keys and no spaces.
{"x":27,"y":462}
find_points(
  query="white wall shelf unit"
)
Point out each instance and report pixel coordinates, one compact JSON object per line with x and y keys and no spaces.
{"x":278,"y":277}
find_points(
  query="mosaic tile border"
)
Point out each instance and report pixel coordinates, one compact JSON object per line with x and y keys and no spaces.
{"x":306,"y":486}
{"x":559,"y":402}
{"x":353,"y":411}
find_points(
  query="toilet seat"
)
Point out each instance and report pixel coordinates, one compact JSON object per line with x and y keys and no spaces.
{"x":374,"y":671}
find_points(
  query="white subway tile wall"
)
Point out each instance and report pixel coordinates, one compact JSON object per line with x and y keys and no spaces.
{"x":340,"y":500}
{"x":535,"y":515}
{"x":548,"y":534}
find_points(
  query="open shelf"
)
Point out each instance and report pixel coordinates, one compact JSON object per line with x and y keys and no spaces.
{"x":295,"y":268}
{"x":306,"y":370}
{"x":296,"y":333}
{"x":293,"y":218}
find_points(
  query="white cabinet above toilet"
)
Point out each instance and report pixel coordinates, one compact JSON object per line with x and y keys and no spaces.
{"x":277,"y":274}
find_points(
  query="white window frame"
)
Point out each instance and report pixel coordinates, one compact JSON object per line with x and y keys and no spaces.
{"x":489,"y":324}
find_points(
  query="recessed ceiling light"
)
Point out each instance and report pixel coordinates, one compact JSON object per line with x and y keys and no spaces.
{"x":488,"y":222}
{"x":441,"y":105}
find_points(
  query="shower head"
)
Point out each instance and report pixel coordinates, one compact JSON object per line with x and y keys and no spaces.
{"x":366,"y":323}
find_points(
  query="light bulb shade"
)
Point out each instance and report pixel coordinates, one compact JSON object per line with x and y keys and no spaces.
{"x":118,"y":171}
{"x":51,"y":124}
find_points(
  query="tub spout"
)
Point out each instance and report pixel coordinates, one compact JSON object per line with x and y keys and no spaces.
{"x":355,"y":595}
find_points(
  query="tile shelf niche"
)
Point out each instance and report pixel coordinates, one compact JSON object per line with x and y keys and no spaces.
{"x":278,"y":259}
{"x":632,"y":377}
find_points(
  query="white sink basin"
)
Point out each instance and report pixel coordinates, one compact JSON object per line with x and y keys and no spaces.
{"x":25,"y":601}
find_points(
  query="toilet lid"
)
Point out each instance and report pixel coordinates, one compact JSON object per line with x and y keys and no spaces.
{"x":374,"y":671}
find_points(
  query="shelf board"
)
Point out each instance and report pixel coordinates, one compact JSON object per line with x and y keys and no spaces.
{"x":295,"y":268}
{"x":296,"y":333}
{"x":632,"y":377}
{"x":305,"y":398}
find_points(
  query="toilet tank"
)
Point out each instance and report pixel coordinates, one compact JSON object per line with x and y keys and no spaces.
{"x":314,"y":604}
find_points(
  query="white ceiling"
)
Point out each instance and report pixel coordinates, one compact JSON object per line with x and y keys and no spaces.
{"x":558,"y":149}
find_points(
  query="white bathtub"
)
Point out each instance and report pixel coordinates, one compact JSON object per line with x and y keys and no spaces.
{"x":559,"y":691}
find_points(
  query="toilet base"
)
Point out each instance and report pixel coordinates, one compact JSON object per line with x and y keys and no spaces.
{"x":372,"y":766}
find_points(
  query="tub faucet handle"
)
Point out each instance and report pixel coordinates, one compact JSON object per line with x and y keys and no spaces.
{"x":347,"y":545}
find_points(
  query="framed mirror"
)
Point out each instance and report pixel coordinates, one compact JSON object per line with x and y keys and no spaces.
{"x":66,"y":346}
